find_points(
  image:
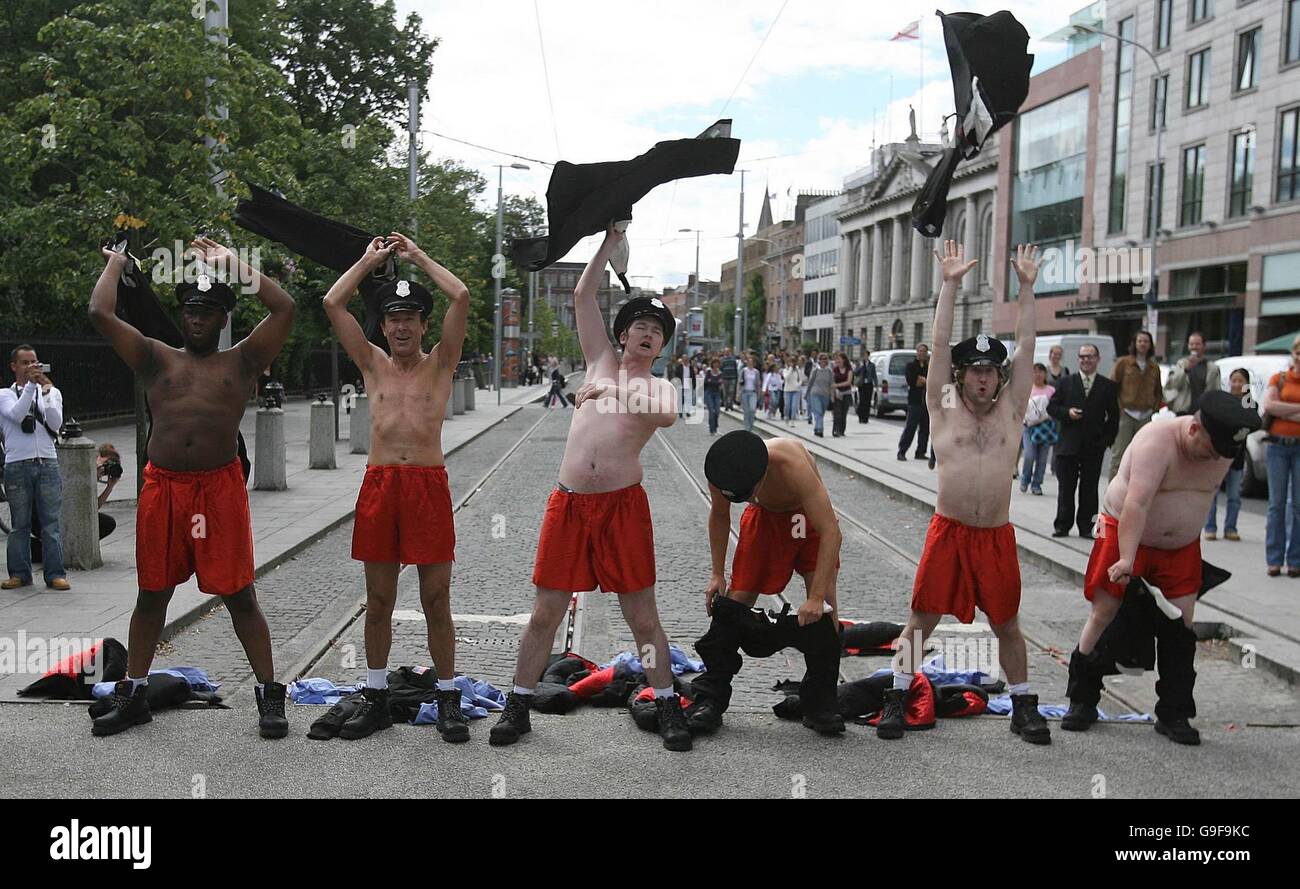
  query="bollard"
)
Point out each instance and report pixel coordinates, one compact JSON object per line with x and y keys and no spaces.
{"x":451,"y":406}
{"x":457,"y":397}
{"x":79,"y":519}
{"x":321,"y":444}
{"x":268,"y":465}
{"x":468,"y":383}
{"x":359,"y":425}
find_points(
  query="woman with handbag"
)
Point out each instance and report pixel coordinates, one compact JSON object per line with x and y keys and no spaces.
{"x":841,"y":393}
{"x":1040,"y":433}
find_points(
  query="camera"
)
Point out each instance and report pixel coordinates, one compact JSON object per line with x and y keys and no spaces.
{"x":43,"y":368}
{"x":113,"y":469}
{"x":29,"y":424}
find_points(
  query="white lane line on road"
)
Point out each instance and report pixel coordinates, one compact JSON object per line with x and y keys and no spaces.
{"x":414,"y":614}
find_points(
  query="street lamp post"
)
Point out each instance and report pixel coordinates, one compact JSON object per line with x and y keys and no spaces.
{"x":1157,"y":168}
{"x":498,"y":265}
{"x":697,"y":260}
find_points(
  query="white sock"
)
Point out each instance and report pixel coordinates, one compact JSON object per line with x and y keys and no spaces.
{"x":446,"y":685}
{"x":902,"y":681}
{"x":520,"y":690}
{"x":377,"y":678}
{"x":664,"y":692}
{"x":136,"y":683}
{"x":1019,"y":688}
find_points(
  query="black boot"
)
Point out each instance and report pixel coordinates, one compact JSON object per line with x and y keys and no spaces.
{"x":672,"y":723}
{"x":513,"y":721}
{"x":271,"y":722}
{"x":1027,"y":722}
{"x":1084,"y":690}
{"x":452,"y":724}
{"x":129,"y":708}
{"x":704,"y":717}
{"x":371,"y":716}
{"x":824,"y":720}
{"x":892,"y":724}
{"x":1180,"y":731}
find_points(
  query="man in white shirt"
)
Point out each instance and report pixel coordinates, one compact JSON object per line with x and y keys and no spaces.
{"x":31,"y":412}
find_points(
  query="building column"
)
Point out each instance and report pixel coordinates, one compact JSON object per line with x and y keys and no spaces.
{"x":861,"y":296}
{"x":920,"y":293}
{"x":970,"y":285}
{"x":896,"y":294}
{"x":878,"y":264}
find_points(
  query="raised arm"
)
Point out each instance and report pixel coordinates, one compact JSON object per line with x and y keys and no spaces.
{"x":591,"y":325}
{"x":351,"y":336}
{"x":455,"y":321}
{"x":132,"y":346}
{"x":954,"y":267}
{"x":259,"y":348}
{"x":1022,"y":363}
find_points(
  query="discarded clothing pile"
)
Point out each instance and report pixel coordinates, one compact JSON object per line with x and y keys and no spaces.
{"x":571,"y":680}
{"x":1001,"y":706}
{"x":74,"y":677}
{"x":172,"y":688}
{"x":863,"y":639}
{"x":412,"y":698}
{"x":933,"y":694}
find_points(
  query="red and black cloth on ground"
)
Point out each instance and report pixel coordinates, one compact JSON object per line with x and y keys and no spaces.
{"x":868,"y":638}
{"x":73,"y":677}
{"x":572,"y":681}
{"x":863,"y":699}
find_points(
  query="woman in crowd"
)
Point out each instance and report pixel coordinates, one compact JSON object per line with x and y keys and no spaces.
{"x":792,"y":386}
{"x":820,"y":387}
{"x":1282,"y":406}
{"x":841,"y":393}
{"x":1040,"y":433}
{"x":1239,"y":385}
{"x":713,"y":393}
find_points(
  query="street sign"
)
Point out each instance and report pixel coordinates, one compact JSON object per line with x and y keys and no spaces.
{"x":850,"y":341}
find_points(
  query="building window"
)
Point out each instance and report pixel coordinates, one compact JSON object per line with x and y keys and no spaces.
{"x":878,"y":340}
{"x":1291,"y":52}
{"x":1189,"y":210}
{"x":1159,"y":100}
{"x":1201,"y":10}
{"x":1048,"y":181}
{"x":828,"y":302}
{"x":976,"y":326}
{"x":1155,"y":193}
{"x":1247,"y":60}
{"x":1123,"y":118}
{"x":1288,"y":161}
{"x":1243,"y":173}
{"x":918,"y":330}
{"x":1198,"y":79}
{"x":1164,"y":17}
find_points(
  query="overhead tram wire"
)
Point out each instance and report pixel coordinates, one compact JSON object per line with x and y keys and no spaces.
{"x":546,"y":74}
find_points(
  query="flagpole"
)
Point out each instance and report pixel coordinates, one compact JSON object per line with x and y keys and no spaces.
{"x":920,"y":43}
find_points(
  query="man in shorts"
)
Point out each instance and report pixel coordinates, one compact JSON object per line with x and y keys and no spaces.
{"x":1150,"y":527}
{"x":597,"y":531}
{"x":404,"y":507}
{"x":193,"y":515}
{"x":788,"y":526}
{"x":970,"y":556}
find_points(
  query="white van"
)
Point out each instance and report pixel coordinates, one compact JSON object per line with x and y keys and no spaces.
{"x":1070,"y":343}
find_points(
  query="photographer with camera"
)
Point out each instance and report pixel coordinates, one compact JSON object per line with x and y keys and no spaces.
{"x":108,"y":472}
{"x":31,"y":412}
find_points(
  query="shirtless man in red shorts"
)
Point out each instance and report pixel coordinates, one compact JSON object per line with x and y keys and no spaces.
{"x":597,"y":530}
{"x":1150,"y":528}
{"x":404,"y":506}
{"x":970,"y":556}
{"x":193,"y":515}
{"x":788,"y":526}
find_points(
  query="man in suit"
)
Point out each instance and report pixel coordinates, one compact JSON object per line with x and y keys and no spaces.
{"x":1087,"y":407}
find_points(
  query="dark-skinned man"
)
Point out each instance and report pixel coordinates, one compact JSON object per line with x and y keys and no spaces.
{"x":193,"y":515}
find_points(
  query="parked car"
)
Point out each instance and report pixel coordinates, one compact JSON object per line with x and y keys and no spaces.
{"x":891,"y":379}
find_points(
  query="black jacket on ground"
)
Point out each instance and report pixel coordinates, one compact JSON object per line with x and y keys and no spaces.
{"x":1096,"y":430}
